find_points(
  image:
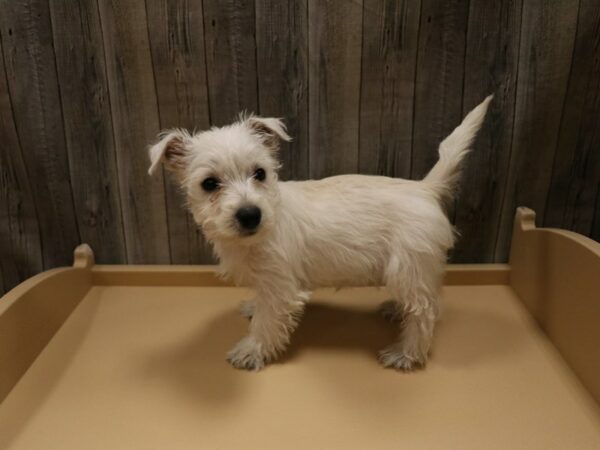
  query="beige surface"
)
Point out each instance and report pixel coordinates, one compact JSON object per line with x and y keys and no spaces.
{"x":143,"y":368}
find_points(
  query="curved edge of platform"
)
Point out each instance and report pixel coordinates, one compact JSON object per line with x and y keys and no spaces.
{"x":37,"y":308}
{"x":525,"y":223}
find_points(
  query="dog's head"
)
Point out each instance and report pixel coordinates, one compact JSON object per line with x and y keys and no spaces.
{"x":228,"y":174}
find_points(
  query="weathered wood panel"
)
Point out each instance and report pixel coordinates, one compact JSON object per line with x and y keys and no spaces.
{"x":595,"y":234}
{"x":20,"y":246}
{"x":490,"y":68}
{"x":439,"y":80}
{"x":135,"y":122}
{"x":176,"y":32}
{"x":33,"y":88}
{"x":389,"y":58}
{"x":88,"y":127}
{"x":575,"y":182}
{"x":334,"y":49}
{"x":371,"y":86}
{"x":229,"y":38}
{"x":547,"y":38}
{"x":282,"y":65}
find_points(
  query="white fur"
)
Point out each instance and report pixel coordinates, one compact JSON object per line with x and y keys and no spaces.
{"x":349,"y":230}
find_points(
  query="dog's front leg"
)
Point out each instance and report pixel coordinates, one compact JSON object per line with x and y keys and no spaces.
{"x":275,"y":315}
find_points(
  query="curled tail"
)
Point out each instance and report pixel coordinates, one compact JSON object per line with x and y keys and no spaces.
{"x":443,"y":177}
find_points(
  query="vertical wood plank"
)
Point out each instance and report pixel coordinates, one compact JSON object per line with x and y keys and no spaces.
{"x":547,"y":38}
{"x":389,"y":59}
{"x":135,"y":123}
{"x":490,"y":67}
{"x":176,"y":32}
{"x":230,"y":42}
{"x":439,"y":81}
{"x":595,"y":234}
{"x":20,"y":245}
{"x":335,"y":40}
{"x":575,"y":183}
{"x":282,"y":65}
{"x":88,"y":129}
{"x":32,"y":83}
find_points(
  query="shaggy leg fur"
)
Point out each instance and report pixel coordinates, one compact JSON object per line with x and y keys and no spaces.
{"x":247,"y":308}
{"x":413,"y":279}
{"x":391,"y":310}
{"x":273,"y":321}
{"x":412,"y":347}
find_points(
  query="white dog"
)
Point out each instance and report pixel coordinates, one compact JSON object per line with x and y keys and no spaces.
{"x":286,"y":238}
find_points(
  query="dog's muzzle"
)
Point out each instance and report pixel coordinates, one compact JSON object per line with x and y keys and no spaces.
{"x":248,"y":217}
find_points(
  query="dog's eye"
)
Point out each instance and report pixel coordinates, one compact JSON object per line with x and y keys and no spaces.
{"x":260,"y":174}
{"x":210,"y":184}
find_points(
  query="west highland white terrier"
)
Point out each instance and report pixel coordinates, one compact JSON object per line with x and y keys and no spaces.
{"x":286,"y":238}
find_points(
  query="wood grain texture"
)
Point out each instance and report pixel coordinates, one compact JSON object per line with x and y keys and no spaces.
{"x":367,"y":86}
{"x":135,"y":123}
{"x":491,"y":62}
{"x":547,"y":38}
{"x":334,"y":46}
{"x":389,"y":59}
{"x":595,"y":234}
{"x":34,"y":92}
{"x":88,"y":128}
{"x":176,"y":32}
{"x":575,"y":183}
{"x":230,"y":42}
{"x":20,"y":245}
{"x":282,"y":67}
{"x":439,"y":82}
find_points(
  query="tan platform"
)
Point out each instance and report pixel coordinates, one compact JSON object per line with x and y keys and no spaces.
{"x":132,"y":357}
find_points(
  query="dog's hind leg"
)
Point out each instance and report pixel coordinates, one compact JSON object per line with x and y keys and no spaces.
{"x":413,"y":281}
{"x":412,"y":348}
{"x":247,"y":308}
{"x":391,"y":310}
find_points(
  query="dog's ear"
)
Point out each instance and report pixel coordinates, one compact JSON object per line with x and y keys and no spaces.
{"x":271,"y":130}
{"x":170,"y":149}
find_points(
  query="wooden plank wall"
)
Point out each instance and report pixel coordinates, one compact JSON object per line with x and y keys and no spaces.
{"x":367,"y":86}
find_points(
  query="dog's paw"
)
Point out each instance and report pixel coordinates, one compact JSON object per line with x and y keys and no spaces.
{"x":247,"y":308}
{"x":247,"y":354}
{"x":393,"y":356}
{"x":390,"y":311}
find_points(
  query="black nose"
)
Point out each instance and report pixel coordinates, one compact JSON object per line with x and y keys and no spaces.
{"x":248,"y":217}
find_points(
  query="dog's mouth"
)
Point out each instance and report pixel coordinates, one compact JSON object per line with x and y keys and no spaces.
{"x":248,"y":233}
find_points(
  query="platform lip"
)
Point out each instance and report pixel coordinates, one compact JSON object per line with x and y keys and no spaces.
{"x":207,"y":275}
